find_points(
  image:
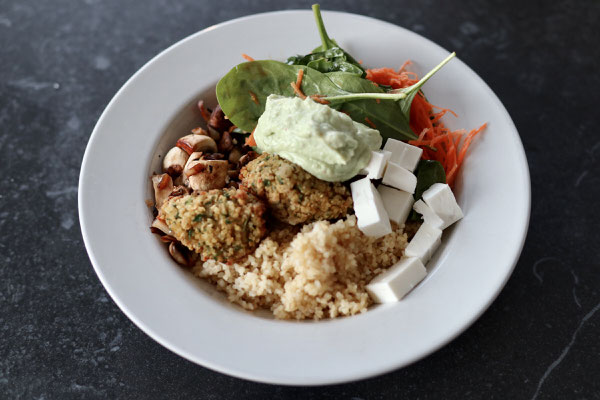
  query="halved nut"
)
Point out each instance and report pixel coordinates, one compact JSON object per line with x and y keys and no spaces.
{"x":178,"y":253}
{"x":192,"y":166}
{"x":218,"y":120}
{"x":168,"y":239}
{"x":213,"y":133}
{"x":178,"y":191}
{"x":246,"y":158}
{"x":197,"y":143}
{"x":206,"y":174}
{"x":225,"y":144}
{"x":163,"y":186}
{"x":174,"y":161}
{"x":200,"y":131}
{"x":158,"y":226}
{"x":213,"y":176}
{"x":235,"y":155}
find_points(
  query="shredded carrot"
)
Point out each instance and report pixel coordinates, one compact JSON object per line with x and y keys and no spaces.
{"x":423,"y":133}
{"x":450,"y":175}
{"x":298,"y":91}
{"x":203,"y":111}
{"x":299,"y":78}
{"x":297,"y":85}
{"x":250,"y":139}
{"x":319,"y":99}
{"x":371,"y":124}
{"x":377,"y":101}
{"x":438,"y":142}
{"x":247,"y":57}
{"x":403,"y":67}
{"x":254,"y":98}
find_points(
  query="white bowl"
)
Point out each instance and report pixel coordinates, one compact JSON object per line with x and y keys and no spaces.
{"x":189,"y":317}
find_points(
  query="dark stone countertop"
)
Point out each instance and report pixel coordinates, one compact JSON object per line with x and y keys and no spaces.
{"x":62,"y":337}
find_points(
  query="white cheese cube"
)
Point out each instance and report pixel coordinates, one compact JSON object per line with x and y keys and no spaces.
{"x":377,"y":164}
{"x":397,"y":203}
{"x":368,"y":207}
{"x":403,"y":154}
{"x":429,"y":217}
{"x":397,"y":281}
{"x":424,"y":243}
{"x":400,"y":178}
{"x":441,"y":200}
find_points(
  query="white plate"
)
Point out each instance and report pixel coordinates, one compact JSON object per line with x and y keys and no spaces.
{"x":188,"y":317}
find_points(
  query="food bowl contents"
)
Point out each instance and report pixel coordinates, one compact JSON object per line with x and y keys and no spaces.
{"x":223,"y":225}
{"x":324,"y":142}
{"x":286,"y":199}
{"x":293,"y":195}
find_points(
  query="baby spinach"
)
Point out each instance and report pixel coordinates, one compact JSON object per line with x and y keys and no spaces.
{"x":329,"y":72}
{"x":386,"y":115}
{"x":403,"y":96}
{"x":243,"y":92}
{"x":329,"y":56}
{"x":428,"y":172}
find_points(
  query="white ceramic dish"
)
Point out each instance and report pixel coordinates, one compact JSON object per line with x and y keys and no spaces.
{"x":190,"y":318}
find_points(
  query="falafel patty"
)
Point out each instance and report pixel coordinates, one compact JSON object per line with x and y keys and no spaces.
{"x":221,"y":224}
{"x":293,"y":195}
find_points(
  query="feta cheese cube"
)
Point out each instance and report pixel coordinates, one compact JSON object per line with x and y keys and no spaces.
{"x":429,"y":217}
{"x":368,"y":207}
{"x":397,"y":203}
{"x":441,"y":200}
{"x":377,"y":164}
{"x":397,"y":281}
{"x":424,"y":243}
{"x":400,"y":178}
{"x":403,"y":154}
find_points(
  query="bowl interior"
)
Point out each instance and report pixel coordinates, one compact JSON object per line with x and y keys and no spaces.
{"x":187,"y":118}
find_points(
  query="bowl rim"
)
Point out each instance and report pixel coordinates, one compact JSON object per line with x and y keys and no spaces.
{"x":526,"y":191}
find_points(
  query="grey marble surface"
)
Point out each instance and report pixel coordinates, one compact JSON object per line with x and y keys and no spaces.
{"x":62,"y":337}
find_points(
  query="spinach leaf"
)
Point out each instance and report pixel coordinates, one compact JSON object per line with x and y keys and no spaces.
{"x":242,"y":93}
{"x":256,"y":80}
{"x":428,"y":172}
{"x":328,"y":56}
{"x":335,"y":64}
{"x":404,"y":96}
{"x":334,"y":52}
{"x":326,"y":41}
{"x":386,"y":116}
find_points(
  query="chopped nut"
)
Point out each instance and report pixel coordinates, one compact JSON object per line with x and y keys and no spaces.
{"x":214,"y":134}
{"x":218,"y":121}
{"x":235,"y":155}
{"x":178,"y":253}
{"x":163,"y":185}
{"x":225,"y":144}
{"x":174,"y":161}
{"x":197,"y":143}
{"x":161,"y":226}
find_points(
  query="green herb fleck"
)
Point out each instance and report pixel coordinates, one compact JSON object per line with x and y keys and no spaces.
{"x":199,"y":217}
